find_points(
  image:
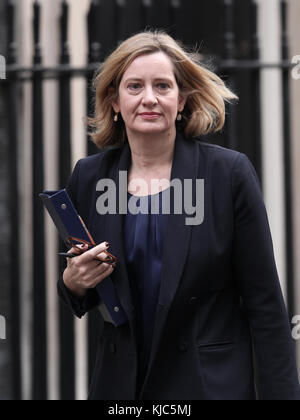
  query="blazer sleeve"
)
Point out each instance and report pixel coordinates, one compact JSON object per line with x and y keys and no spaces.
{"x":256,"y":276}
{"x":92,"y":299}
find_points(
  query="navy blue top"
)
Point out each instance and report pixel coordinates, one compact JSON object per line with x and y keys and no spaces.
{"x":143,"y":242}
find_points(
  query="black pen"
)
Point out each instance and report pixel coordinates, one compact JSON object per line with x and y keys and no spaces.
{"x":67,"y":254}
{"x":70,"y":255}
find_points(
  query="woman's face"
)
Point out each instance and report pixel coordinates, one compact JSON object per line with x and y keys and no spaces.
{"x":149,"y":98}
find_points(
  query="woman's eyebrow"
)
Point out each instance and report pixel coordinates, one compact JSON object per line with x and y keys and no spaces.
{"x":165,"y":79}
{"x":139,"y":79}
{"x":135,"y":79}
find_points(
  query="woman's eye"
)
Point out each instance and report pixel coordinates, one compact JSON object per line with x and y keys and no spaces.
{"x":134,"y":86}
{"x":163,"y":86}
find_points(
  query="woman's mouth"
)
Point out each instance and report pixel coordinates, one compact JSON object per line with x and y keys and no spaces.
{"x":150,"y":115}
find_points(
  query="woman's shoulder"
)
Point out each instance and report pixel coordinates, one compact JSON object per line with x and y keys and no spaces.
{"x":92,"y":162}
{"x":215,"y":150}
{"x":218,"y":156}
{"x":225,"y":162}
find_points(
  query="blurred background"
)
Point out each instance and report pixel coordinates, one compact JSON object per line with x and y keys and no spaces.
{"x":51,"y":50}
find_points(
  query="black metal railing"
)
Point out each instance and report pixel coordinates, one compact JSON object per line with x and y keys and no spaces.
{"x":287,"y":162}
{"x":13,"y":108}
{"x":228,"y":65}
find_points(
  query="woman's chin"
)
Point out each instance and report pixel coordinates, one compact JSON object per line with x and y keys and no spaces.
{"x":151,"y":129}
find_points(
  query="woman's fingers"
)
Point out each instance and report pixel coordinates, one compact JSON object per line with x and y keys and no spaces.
{"x":95,"y":276}
{"x":84,"y":271}
{"x":94,"y":252}
{"x":78,"y":249}
{"x":83,"y":249}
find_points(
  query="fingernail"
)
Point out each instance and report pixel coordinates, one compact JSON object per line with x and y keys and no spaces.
{"x":107,"y":244}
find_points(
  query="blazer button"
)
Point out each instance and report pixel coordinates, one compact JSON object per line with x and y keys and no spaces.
{"x":193,"y":300}
{"x":113,"y":348}
{"x":183,"y":347}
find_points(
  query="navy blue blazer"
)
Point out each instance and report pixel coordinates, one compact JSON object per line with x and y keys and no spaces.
{"x":221,"y":329}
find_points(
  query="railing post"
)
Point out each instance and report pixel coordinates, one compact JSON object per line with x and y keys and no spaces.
{"x":94,"y":56}
{"x":147,"y":17}
{"x":120,"y":18}
{"x":229,"y":35}
{"x":13,"y":339}
{"x":229,"y":54}
{"x":39,"y":272}
{"x":174,"y":13}
{"x":255,"y":92}
{"x":66,"y":325}
{"x":287,"y":161}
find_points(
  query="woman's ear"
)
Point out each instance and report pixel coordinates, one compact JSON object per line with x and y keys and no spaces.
{"x":114,"y":101}
{"x":116,"y":107}
{"x":181,"y":101}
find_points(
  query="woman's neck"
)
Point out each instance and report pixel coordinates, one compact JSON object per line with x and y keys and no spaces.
{"x":149,"y":152}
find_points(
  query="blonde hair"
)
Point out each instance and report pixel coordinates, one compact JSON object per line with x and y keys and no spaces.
{"x":206,"y":93}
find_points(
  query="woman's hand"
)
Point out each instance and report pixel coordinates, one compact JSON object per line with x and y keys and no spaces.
{"x":84,"y":272}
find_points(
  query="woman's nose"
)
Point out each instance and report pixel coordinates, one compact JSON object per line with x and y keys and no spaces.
{"x":149,"y":97}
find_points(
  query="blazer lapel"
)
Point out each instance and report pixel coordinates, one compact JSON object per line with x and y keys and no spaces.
{"x":114,"y":233}
{"x":109,"y":226}
{"x":176,"y":241}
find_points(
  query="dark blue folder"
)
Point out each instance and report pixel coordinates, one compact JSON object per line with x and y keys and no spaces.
{"x":73,"y":231}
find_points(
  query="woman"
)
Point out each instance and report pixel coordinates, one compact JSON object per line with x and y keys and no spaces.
{"x":201,"y":296}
